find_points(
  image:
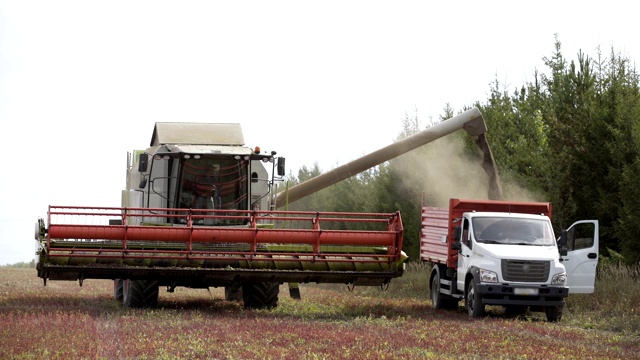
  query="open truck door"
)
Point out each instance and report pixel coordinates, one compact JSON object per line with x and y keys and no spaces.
{"x":581,"y":259}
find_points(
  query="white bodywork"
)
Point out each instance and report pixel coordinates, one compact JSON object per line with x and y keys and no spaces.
{"x":576,"y":270}
{"x":582,"y":256}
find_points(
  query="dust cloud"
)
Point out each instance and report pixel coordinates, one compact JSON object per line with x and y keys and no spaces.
{"x":443,"y":169}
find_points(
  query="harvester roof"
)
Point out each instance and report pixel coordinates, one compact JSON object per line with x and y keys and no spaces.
{"x":165,"y":133}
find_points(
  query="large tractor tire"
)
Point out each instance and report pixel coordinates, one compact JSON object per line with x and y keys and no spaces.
{"x":118,"y":289}
{"x":260,"y":295}
{"x":233,"y":292}
{"x":140,"y":293}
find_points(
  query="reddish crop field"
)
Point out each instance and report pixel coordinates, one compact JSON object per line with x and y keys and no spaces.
{"x":65,"y":321}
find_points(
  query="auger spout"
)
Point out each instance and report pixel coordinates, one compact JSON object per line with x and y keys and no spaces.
{"x":471,"y":121}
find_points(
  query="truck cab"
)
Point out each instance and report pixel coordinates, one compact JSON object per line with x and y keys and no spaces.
{"x":503,"y":253}
{"x":514,"y":260}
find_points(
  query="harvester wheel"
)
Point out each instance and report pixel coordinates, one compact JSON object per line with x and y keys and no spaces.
{"x":140,"y":293}
{"x":260,"y":295}
{"x":233,"y":292}
{"x":118,"y":289}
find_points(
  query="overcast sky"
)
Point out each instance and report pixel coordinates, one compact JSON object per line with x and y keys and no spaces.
{"x":83,"y":82}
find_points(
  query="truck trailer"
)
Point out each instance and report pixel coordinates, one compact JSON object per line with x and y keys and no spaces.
{"x":505,"y":253}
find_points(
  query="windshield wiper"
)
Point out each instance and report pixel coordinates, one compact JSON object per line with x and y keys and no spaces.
{"x":489,"y":241}
{"x":526,"y":243}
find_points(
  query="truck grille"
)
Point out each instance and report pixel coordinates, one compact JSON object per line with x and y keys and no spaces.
{"x":525,"y":271}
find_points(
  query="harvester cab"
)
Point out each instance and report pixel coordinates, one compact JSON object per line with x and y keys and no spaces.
{"x":209,"y":171}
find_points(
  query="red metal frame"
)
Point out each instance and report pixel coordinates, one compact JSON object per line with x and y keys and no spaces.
{"x":85,"y":232}
{"x":439,"y":222}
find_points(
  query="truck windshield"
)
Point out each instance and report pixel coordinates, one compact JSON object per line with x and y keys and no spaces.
{"x":513,"y":231}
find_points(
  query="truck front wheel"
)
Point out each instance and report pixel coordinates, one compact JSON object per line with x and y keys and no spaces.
{"x":554,"y":313}
{"x":473,"y":301}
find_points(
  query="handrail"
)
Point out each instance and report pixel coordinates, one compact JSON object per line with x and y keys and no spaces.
{"x":105,"y":233}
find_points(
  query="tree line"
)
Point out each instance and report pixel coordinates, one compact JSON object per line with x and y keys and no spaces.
{"x":21,"y":264}
{"x":570,"y":136}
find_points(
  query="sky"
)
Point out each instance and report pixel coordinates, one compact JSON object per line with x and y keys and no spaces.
{"x":83,"y":82}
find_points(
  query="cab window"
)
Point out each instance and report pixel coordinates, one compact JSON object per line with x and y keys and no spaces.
{"x":580,"y":237}
{"x":466,"y":240}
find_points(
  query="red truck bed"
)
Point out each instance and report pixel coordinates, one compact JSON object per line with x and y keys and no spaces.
{"x":438,"y":224}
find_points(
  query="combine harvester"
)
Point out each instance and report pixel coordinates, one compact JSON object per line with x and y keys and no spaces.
{"x":199,"y":210}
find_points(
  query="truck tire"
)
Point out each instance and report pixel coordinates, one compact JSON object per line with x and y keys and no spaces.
{"x":140,"y":293}
{"x":439,"y":300}
{"x":260,"y":295}
{"x":118,"y":290}
{"x":554,"y":313}
{"x":473,"y":301}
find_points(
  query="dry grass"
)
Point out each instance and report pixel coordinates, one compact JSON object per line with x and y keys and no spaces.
{"x":615,"y":304}
{"x":65,"y":321}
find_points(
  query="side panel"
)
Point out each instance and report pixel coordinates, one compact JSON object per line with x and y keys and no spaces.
{"x":433,"y":235}
{"x":259,"y":186}
{"x":582,"y":258}
{"x":133,"y":199}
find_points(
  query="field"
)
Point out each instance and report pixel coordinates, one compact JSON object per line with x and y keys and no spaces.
{"x":65,"y":321}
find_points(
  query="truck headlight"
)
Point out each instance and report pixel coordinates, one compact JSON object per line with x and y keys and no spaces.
{"x":488,"y":276}
{"x":559,"y":279}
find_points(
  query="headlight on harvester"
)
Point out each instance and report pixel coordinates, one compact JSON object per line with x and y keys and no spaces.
{"x":559,"y":279}
{"x":488,"y":276}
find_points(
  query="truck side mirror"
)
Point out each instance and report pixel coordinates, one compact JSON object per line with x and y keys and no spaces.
{"x":143,"y":161}
{"x":457,"y":231}
{"x":562,"y":243}
{"x":456,"y":245}
{"x":281,"y":169}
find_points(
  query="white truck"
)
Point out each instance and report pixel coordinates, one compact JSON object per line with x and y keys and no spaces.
{"x":505,"y":253}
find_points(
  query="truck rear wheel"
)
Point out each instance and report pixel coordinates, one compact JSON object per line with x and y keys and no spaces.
{"x":554,"y":313}
{"x":140,"y":293}
{"x":260,"y":295}
{"x":473,"y":301}
{"x":118,"y":290}
{"x":439,"y":300}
